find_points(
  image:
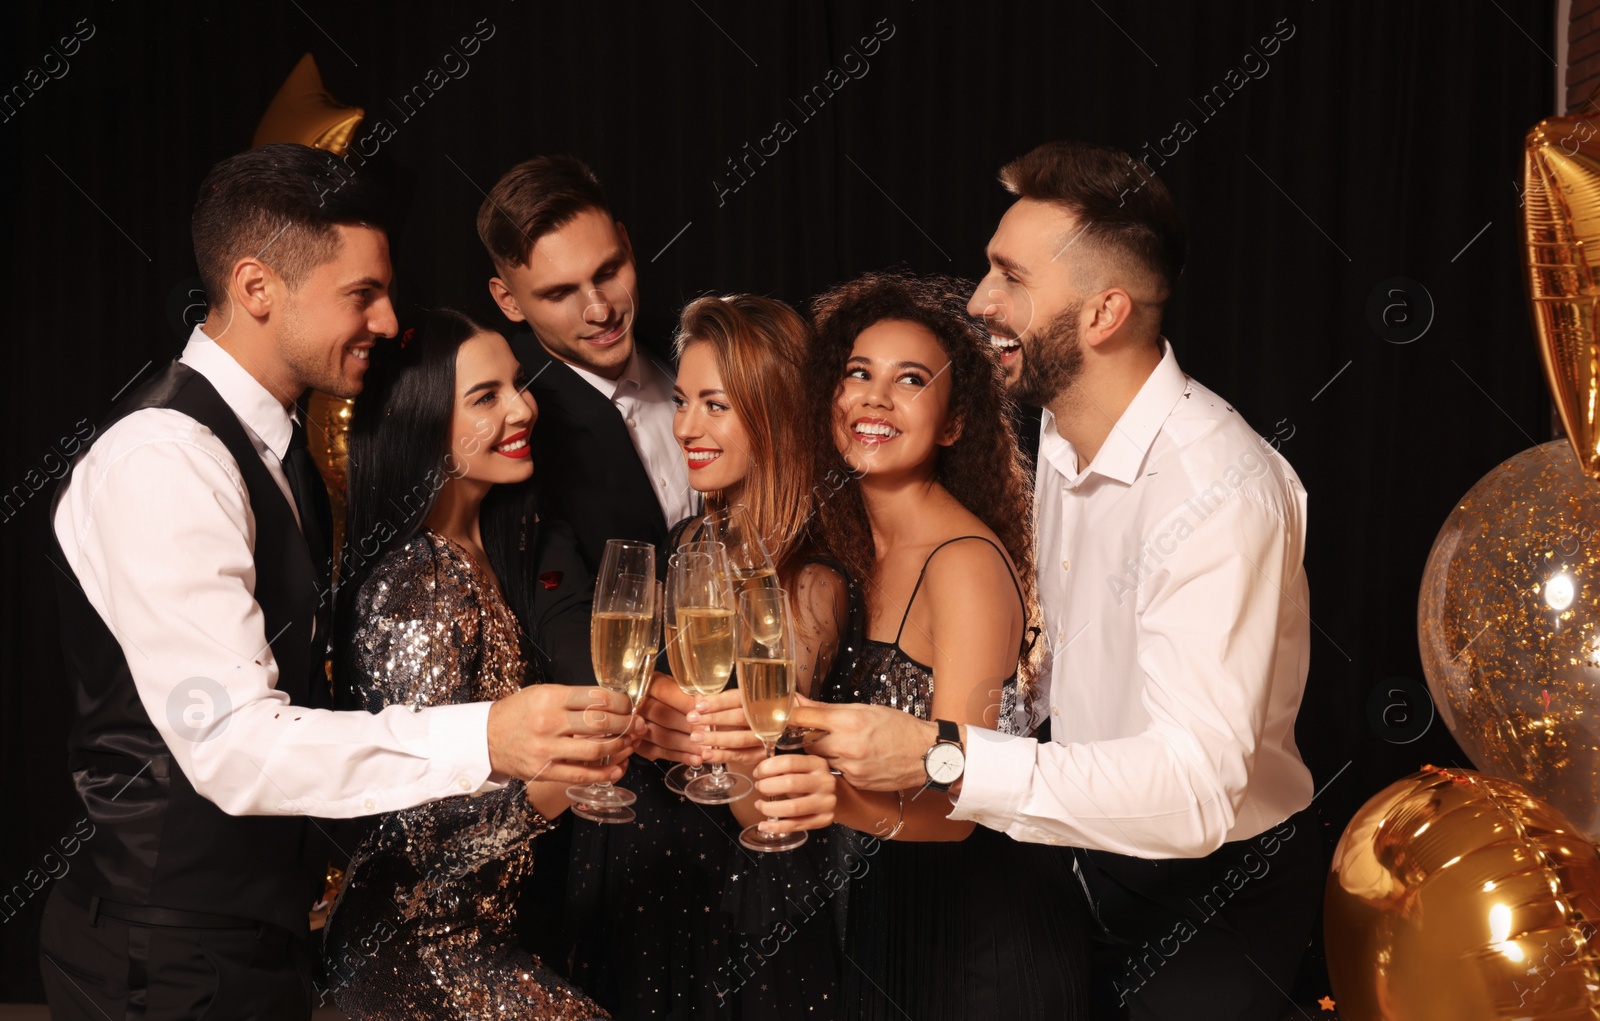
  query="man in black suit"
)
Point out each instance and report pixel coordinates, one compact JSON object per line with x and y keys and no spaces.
{"x":605,"y":457}
{"x":606,"y":464}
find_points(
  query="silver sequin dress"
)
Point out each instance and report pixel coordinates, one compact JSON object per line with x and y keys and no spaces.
{"x":423,"y":927}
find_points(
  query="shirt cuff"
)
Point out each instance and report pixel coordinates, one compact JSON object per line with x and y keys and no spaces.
{"x":458,"y":739}
{"x":998,"y":771}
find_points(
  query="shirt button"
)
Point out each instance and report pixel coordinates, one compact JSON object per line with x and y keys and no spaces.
{"x":1054,"y":711}
{"x":1066,"y":565}
{"x":464,"y":784}
{"x":369,"y":804}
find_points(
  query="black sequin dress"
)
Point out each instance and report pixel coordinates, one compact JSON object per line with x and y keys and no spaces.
{"x":677,"y":921}
{"x":986,"y":927}
{"x":424,"y":926}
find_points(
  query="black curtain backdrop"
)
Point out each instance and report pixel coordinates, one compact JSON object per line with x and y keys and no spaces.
{"x":1371,"y":158}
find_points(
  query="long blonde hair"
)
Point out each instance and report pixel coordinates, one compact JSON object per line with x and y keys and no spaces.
{"x":760,"y":345}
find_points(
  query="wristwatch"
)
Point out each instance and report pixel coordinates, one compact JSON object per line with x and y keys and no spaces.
{"x":945,"y":761}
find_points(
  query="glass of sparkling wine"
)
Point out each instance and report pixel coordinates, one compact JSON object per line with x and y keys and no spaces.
{"x":690,"y":589}
{"x":706,"y":633}
{"x":623,"y":637}
{"x":766,"y":657}
{"x":748,"y":566}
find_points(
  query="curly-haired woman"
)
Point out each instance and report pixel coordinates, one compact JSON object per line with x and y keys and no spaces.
{"x":933,"y":518}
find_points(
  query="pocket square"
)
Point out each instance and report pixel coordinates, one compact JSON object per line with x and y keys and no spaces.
{"x":550,"y":579}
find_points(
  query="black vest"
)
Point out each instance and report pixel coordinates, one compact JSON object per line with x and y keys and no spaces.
{"x":157,"y":841}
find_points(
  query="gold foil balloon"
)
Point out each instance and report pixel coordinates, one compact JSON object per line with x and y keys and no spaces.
{"x":1561,"y":228}
{"x":1457,"y":896}
{"x":1508,"y":623}
{"x":304,"y":112}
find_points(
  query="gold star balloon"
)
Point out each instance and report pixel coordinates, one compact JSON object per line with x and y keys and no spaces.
{"x":304,"y":112}
{"x":1456,"y":896}
{"x":1561,"y":231}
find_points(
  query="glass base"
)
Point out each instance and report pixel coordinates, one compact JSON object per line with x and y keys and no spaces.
{"x":594,"y":813}
{"x":601,"y":802}
{"x":718,"y":788}
{"x":752,"y":838}
{"x":796,"y":738}
{"x":682,"y":775}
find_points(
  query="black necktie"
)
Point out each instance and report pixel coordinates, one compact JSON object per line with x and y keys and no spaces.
{"x":316,"y":519}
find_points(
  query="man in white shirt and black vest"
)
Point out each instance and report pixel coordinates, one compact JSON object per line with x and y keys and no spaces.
{"x":1171,"y":541}
{"x":195,"y":624}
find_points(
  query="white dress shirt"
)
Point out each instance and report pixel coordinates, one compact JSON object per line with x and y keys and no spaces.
{"x":642,"y":395}
{"x":1175,"y":607}
{"x":158,"y":531}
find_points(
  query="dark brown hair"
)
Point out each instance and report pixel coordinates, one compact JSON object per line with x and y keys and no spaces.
{"x":760,"y":345}
{"x":532,"y":199}
{"x":279,"y":203}
{"x":983,"y":469}
{"x":1121,"y":206}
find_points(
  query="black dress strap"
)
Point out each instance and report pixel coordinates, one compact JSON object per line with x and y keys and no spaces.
{"x":924,"y":573}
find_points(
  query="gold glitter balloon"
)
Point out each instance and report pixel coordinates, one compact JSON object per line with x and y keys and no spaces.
{"x":304,"y":112}
{"x":1561,"y":229}
{"x":1509,"y":627}
{"x":1457,"y":896}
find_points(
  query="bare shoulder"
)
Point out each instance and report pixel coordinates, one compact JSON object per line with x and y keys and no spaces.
{"x":968,"y":569}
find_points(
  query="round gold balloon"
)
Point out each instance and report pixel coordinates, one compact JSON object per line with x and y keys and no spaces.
{"x":1508,"y":623}
{"x":304,"y":112}
{"x":1457,"y":896}
{"x":1561,"y":232}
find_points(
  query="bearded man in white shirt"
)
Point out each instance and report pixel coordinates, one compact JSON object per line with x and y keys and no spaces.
{"x":195,"y":622}
{"x":1170,"y":543}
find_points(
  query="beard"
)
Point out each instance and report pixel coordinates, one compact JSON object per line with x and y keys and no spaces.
{"x":308,"y":359}
{"x":1051,"y":360}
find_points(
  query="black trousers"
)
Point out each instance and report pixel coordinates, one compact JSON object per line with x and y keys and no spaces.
{"x":1214,"y":937}
{"x":108,"y":970}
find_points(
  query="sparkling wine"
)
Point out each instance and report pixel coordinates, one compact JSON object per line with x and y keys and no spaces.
{"x":707,"y":648}
{"x":767,"y":688}
{"x":619,"y":644}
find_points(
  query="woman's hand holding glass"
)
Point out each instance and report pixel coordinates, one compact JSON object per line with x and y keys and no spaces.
{"x":795,"y":792}
{"x":765,"y":649}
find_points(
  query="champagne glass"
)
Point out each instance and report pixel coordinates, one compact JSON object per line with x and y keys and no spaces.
{"x":766,"y":687}
{"x":691,"y":582}
{"x":749,"y":568}
{"x":706,"y":636}
{"x":622,"y":639}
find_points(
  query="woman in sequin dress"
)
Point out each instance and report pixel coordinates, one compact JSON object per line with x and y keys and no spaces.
{"x":948,"y":921}
{"x":696,"y":927}
{"x":447,"y":592}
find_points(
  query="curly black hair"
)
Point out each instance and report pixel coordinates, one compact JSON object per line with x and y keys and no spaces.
{"x":983,"y":469}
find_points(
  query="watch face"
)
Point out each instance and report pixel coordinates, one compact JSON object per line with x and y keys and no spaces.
{"x":945,"y":763}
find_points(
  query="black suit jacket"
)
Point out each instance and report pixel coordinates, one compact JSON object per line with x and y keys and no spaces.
{"x":584,"y":461}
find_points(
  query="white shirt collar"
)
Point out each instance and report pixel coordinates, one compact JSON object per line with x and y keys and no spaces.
{"x":261,"y":412}
{"x":1122,"y":455}
{"x":611,"y":389}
